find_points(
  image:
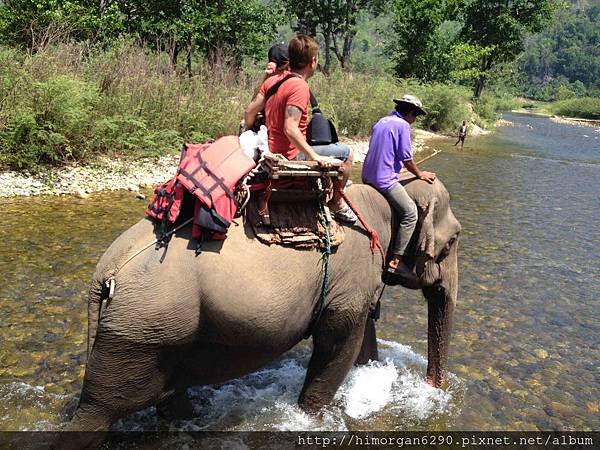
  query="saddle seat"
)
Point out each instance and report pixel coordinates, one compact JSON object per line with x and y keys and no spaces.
{"x":294,"y":199}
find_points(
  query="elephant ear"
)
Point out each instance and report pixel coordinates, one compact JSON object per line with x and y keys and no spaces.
{"x":426,"y":240}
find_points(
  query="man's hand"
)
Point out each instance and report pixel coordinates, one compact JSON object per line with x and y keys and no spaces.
{"x":325,"y":161}
{"x":427,"y":176}
{"x":271,"y":68}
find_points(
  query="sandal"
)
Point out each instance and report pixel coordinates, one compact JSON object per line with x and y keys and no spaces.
{"x":403,"y":272}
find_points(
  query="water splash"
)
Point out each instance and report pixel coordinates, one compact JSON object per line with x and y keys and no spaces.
{"x":267,"y":399}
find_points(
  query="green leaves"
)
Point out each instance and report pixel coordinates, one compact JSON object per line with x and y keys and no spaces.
{"x":216,"y":27}
{"x":334,"y":20}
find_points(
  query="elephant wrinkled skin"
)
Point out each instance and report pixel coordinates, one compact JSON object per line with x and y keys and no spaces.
{"x":194,"y":320}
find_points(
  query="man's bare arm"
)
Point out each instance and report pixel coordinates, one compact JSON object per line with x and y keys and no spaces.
{"x":252,"y":110}
{"x":293,"y":133}
{"x":420,"y":174}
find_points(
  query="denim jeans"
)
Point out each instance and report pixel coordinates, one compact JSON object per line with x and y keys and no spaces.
{"x":337,"y":151}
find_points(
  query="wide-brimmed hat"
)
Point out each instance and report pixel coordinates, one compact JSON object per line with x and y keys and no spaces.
{"x":414,"y":101}
{"x":278,"y":54}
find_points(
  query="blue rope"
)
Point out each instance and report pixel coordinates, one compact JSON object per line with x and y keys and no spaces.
{"x":326,"y":249}
{"x":324,"y":260}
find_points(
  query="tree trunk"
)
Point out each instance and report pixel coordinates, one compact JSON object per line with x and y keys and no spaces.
{"x":327,"y":36}
{"x":345,"y":60}
{"x":188,"y":59}
{"x":479,"y":85}
{"x":173,"y":54}
{"x":486,"y":65}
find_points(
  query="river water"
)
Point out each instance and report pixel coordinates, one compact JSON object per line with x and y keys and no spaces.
{"x":526,"y":343}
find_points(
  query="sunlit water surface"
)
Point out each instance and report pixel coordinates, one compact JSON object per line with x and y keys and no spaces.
{"x":526,"y":341}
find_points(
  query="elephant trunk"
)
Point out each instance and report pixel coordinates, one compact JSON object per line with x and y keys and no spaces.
{"x":441,"y":298}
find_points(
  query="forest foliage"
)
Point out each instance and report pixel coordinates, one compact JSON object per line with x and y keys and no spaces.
{"x":80,"y":78}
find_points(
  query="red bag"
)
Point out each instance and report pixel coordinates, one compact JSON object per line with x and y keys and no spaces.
{"x":167,"y":199}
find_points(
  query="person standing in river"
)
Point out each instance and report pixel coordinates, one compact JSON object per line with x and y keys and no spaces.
{"x":390,"y":149}
{"x":462,"y":134}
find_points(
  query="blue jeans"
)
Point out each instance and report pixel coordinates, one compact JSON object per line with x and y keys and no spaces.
{"x":337,"y":151}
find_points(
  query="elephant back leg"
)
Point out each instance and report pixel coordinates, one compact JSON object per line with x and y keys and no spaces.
{"x":337,"y":340}
{"x":121,"y":378}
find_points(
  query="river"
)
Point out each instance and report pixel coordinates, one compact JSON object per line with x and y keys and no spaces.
{"x":526,"y":342}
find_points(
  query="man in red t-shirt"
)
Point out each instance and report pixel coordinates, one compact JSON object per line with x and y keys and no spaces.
{"x":287,"y":118}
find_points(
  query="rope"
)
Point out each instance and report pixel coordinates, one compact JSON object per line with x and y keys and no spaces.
{"x":160,"y":239}
{"x":325,"y":265}
{"x":374,"y":237}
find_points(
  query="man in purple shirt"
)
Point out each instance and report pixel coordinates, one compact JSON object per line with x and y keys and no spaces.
{"x":390,"y":149}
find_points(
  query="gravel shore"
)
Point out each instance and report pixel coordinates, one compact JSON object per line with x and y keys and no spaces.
{"x":111,"y":175}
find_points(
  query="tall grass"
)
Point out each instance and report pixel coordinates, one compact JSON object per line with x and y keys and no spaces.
{"x":72,"y":103}
{"x":63,"y":104}
{"x":585,"y":108}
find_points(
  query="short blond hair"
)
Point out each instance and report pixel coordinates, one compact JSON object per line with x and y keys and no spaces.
{"x":302,"y":49}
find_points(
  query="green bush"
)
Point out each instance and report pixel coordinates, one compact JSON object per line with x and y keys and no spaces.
{"x":585,"y":108}
{"x":75,"y":102}
{"x":446,"y":107}
{"x":70,"y":103}
{"x":52,"y":124}
{"x":355,"y":102}
{"x":487,"y":109}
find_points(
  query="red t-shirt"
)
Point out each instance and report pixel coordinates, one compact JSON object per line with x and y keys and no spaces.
{"x":294,"y":92}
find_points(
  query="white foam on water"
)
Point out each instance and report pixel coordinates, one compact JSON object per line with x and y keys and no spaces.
{"x":368,"y":389}
{"x":267,"y":399}
{"x":396,"y":384}
{"x":393,"y":389}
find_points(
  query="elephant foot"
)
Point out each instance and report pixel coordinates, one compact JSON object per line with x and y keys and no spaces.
{"x":175,"y":407}
{"x":310,"y":405}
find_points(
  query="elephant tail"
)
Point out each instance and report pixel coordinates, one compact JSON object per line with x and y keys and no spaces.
{"x":99,"y":293}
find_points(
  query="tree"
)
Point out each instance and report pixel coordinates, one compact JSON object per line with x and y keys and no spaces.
{"x":36,"y":24}
{"x":216,"y":27}
{"x":334,"y":20}
{"x":498,"y":29}
{"x":569,"y":48}
{"x":423,"y":34}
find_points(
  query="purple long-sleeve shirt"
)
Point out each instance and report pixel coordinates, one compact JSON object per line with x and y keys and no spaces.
{"x":389,"y":148}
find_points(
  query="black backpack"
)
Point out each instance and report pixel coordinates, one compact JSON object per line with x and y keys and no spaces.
{"x":321,"y":130}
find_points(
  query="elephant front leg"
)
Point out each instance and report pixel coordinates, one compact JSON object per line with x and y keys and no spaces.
{"x":368,"y":349}
{"x":336,"y":345}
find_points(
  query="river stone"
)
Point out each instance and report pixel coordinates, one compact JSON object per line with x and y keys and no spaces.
{"x":541,"y":353}
{"x":80,"y":193}
{"x":593,"y":407}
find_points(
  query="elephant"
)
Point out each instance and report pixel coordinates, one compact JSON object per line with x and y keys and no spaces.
{"x":175,"y":319}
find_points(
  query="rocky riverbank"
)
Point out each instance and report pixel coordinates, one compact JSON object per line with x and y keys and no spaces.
{"x":111,"y":175}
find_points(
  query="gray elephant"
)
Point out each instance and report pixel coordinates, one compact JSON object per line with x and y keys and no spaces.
{"x":178,"y":320}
